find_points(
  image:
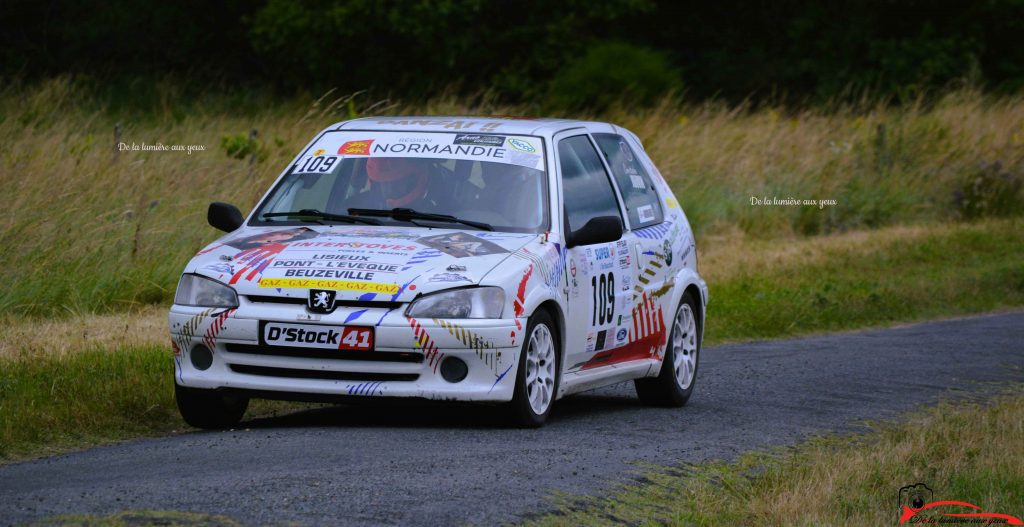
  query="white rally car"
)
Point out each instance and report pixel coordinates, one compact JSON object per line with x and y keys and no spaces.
{"x":498,"y":260}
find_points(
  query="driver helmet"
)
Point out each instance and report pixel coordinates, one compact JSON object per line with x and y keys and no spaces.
{"x":401,"y":180}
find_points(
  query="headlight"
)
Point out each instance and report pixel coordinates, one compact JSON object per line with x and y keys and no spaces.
{"x":472,"y":302}
{"x":195,"y":290}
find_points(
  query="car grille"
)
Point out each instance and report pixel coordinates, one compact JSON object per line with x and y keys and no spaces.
{"x":327,"y":354}
{"x":293,"y":373}
{"x":363,"y":304}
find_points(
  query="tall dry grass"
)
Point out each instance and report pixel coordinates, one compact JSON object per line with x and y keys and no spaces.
{"x":882,"y":164}
{"x":85,"y":230}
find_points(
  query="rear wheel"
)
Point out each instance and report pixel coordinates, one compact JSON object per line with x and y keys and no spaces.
{"x":538,"y":374}
{"x":209,"y":409}
{"x":674,"y":384}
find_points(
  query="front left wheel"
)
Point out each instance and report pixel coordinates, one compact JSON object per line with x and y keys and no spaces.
{"x":538,"y":374}
{"x":209,"y":409}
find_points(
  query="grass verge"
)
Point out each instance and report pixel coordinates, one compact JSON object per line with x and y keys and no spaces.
{"x":868,"y":279}
{"x":967,"y":452}
{"x":92,"y":379}
{"x":162,"y":518}
{"x":55,"y":403}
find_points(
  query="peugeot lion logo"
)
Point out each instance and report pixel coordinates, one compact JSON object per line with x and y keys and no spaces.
{"x":321,"y":301}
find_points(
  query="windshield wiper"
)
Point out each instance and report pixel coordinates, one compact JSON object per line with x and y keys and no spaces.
{"x":313,"y":213}
{"x":409,"y":215}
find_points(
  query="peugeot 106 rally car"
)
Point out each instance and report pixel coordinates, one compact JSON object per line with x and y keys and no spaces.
{"x":511,"y":261}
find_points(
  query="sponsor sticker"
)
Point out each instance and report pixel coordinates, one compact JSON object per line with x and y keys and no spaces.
{"x":449,"y":277}
{"x":475,"y":145}
{"x":627,"y":153}
{"x":479,"y":140}
{"x":271,"y":239}
{"x":485,"y":153}
{"x":317,"y":336}
{"x":456,"y":125}
{"x":337,"y":285}
{"x":638,"y":182}
{"x":686,"y":252}
{"x":356,"y":148}
{"x":524,"y":160}
{"x":461,"y":245}
{"x":521,"y":145}
{"x":645,"y":213}
{"x":621,"y":335}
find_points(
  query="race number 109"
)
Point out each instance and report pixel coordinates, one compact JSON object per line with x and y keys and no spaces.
{"x":604,"y":299}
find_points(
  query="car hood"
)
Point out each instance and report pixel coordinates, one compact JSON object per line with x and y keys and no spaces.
{"x":359,"y":262}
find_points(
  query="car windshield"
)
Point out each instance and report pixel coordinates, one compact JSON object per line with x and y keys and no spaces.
{"x":492,"y":179}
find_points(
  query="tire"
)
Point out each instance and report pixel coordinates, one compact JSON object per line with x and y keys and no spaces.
{"x":209,"y":409}
{"x":538,"y":374}
{"x":674,"y":385}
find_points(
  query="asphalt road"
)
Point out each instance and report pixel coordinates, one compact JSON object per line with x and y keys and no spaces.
{"x":440,"y":466}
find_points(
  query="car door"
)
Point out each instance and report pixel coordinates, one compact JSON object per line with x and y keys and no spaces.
{"x":650,"y":237}
{"x":650,"y":232}
{"x":598,"y":277}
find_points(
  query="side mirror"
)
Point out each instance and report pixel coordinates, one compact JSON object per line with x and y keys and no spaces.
{"x":224,"y":216}
{"x":602,"y":229}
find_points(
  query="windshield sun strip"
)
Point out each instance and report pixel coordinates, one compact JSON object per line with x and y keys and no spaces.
{"x":255,"y":219}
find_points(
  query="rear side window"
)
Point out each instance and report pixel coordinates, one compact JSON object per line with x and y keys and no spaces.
{"x":588,"y":191}
{"x":641,"y":199}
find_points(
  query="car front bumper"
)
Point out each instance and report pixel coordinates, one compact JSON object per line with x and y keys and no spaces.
{"x":405,"y":362}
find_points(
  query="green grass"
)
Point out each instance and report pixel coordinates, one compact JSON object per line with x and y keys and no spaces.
{"x":949,"y":271}
{"x":54,"y":404}
{"x":967,"y":452}
{"x":139,"y":519}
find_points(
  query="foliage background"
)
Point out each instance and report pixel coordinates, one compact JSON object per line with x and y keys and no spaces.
{"x":529,"y":51}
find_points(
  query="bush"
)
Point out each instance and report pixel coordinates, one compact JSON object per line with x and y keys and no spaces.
{"x":990,"y":191}
{"x":241,"y":146}
{"x":612,"y":72}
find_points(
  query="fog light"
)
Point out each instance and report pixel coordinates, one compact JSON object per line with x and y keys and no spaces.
{"x":453,"y":369}
{"x":201,"y":357}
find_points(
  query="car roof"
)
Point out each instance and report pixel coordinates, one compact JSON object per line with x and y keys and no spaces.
{"x":473,"y":124}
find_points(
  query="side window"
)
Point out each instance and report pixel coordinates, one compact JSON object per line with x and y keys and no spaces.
{"x":588,"y":191}
{"x":641,"y":199}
